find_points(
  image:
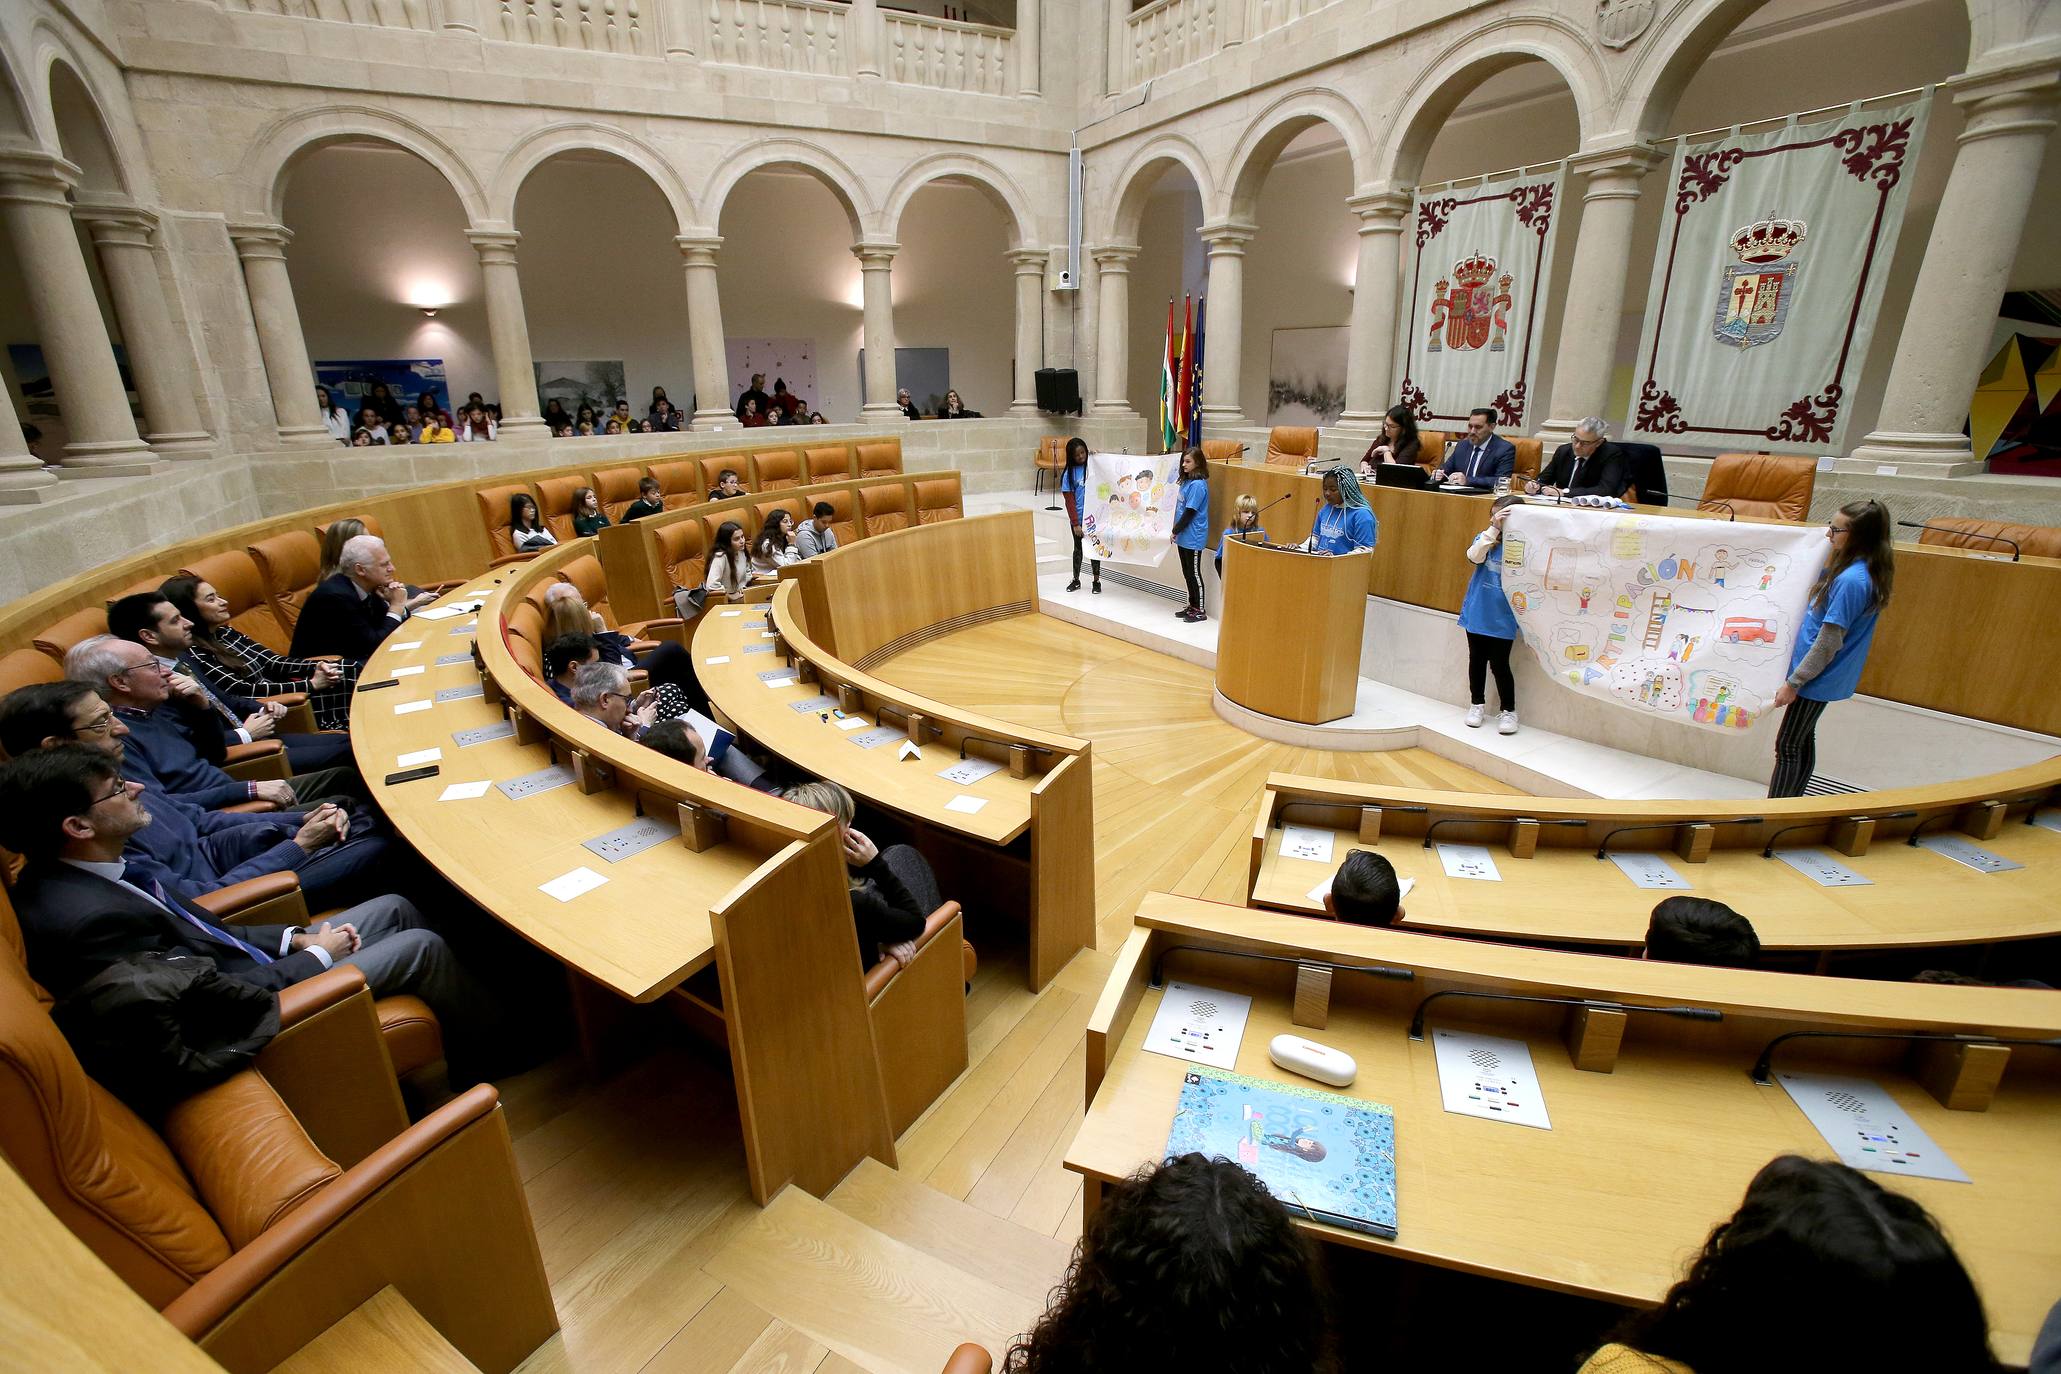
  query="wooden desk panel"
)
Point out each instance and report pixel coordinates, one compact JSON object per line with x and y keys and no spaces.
{"x":1289,"y":643}
{"x":1971,"y":636}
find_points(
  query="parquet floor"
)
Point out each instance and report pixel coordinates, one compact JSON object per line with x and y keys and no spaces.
{"x":637,"y":1183}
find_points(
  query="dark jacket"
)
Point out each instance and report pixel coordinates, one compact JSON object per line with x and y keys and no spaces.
{"x":179,"y":750}
{"x":211,"y":849}
{"x":339,"y":619}
{"x":886,"y":913}
{"x":1483,"y":467}
{"x":1602,"y":472}
{"x":154,"y":1028}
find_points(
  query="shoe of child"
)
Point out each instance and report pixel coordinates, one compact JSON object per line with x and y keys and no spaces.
{"x":1476,"y":714}
{"x":1508,"y":724}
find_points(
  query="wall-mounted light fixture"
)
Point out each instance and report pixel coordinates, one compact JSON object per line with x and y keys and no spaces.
{"x":428,"y":311}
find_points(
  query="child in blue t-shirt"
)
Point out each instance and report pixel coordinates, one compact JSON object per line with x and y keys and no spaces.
{"x":1832,"y":644}
{"x":1191,"y":528}
{"x":1244,"y":527}
{"x":1073,"y":489}
{"x":1490,"y":627}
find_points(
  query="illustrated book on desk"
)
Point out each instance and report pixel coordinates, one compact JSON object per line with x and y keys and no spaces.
{"x":1328,"y":1157}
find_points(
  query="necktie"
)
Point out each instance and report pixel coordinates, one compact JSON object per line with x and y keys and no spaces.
{"x":185,"y":666}
{"x":216,"y":933}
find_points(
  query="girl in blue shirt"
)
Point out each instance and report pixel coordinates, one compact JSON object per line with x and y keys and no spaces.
{"x":1191,"y":528}
{"x":1244,"y":527}
{"x":1832,"y":646}
{"x":1345,"y":523}
{"x":1491,"y":628}
{"x":1073,"y":489}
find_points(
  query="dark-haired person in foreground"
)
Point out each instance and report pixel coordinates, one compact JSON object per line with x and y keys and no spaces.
{"x":1697,"y":930}
{"x":1820,"y":1269}
{"x":1189,"y":1266}
{"x":1365,"y":891}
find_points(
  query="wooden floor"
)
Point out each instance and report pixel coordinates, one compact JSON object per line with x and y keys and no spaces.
{"x":658,"y":1259}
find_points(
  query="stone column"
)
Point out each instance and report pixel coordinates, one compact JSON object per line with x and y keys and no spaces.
{"x":123,"y":235}
{"x":38,"y":214}
{"x":1370,"y":383}
{"x":1028,"y":41}
{"x":23,"y":480}
{"x":682,"y":20}
{"x":1113,"y":327}
{"x":1223,"y":353}
{"x":1975,"y":236}
{"x":508,"y":330}
{"x":876,"y":272}
{"x":705,"y":332}
{"x":262,"y":248}
{"x":1030,"y":327}
{"x":1594,"y":308}
{"x":866,"y":36}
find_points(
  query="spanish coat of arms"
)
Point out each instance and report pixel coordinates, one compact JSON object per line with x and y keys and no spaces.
{"x":1471,"y":309}
{"x":1756,"y":291}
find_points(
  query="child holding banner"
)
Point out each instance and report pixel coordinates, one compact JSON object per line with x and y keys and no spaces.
{"x":1191,"y":529}
{"x":1832,"y":647}
{"x":1073,"y":489}
{"x":1491,"y":629}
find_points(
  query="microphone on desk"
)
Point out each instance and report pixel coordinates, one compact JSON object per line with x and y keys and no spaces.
{"x":1603,"y":848}
{"x":1708,"y":503}
{"x":1768,"y":850}
{"x":1584,"y":1003}
{"x":1962,"y":534}
{"x":1767,"y":1054}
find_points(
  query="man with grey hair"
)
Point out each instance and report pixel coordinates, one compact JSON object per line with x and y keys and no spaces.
{"x":601,"y":693}
{"x":354,"y":609}
{"x":1589,"y":466}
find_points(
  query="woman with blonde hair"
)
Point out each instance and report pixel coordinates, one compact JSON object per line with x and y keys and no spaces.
{"x":893,"y":890}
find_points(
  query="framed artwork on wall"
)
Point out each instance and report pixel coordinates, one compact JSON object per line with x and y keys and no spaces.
{"x":596,"y":382}
{"x":349,"y":381}
{"x":1306,"y":376}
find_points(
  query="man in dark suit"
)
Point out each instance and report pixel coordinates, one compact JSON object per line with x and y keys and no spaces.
{"x":83,"y":904}
{"x":1483,"y":458}
{"x":1590,"y":466}
{"x":149,"y":619}
{"x":352,"y":611}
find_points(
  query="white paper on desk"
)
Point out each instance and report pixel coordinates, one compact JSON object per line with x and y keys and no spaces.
{"x":411,"y":644}
{"x":1489,"y":1077}
{"x":719,"y":658}
{"x":464,"y":791}
{"x":780,"y":682}
{"x":1469,"y":861}
{"x":1199,"y":1025}
{"x":420,"y":756}
{"x":1306,"y":842}
{"x":1322,"y":890}
{"x":967,"y":772}
{"x":769,"y":635}
{"x":909,"y":750}
{"x":408,"y":708}
{"x":967,"y":805}
{"x":1865,"y":1127}
{"x":851,"y":723}
{"x":1648,"y":870}
{"x":567,"y":886}
{"x":727,"y":614}
{"x":440,"y":612}
{"x":409,"y":672}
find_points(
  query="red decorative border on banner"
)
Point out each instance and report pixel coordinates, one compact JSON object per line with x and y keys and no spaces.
{"x":1534,"y":209}
{"x":1872,"y":152}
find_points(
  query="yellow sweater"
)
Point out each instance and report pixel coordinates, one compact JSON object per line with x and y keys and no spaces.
{"x":1622,"y":1359}
{"x":436,"y":434}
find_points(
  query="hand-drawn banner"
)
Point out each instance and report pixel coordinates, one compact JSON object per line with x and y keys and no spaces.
{"x":1130,"y":507}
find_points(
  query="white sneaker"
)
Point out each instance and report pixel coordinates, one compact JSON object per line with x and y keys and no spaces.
{"x":1508,"y":725}
{"x":1476,"y":714}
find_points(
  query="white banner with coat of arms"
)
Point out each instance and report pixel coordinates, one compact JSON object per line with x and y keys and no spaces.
{"x":1768,"y":280}
{"x":1477,"y":285}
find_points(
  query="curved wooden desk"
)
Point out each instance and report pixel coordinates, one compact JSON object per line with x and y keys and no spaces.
{"x":1642,"y":1159}
{"x":1289,"y":644}
{"x":1554,"y":890}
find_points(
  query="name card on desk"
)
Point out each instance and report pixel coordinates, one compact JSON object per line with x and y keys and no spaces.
{"x":409,"y":672}
{"x":1469,"y":861}
{"x":409,"y":708}
{"x":411,"y":644}
{"x":1822,"y":868}
{"x":966,"y":805}
{"x":1306,"y":842}
{"x":1865,"y":1127}
{"x":1490,"y":1077}
{"x":877,"y":736}
{"x":1963,"y":851}
{"x":567,"y":886}
{"x":1649,"y":870}
{"x":967,"y":772}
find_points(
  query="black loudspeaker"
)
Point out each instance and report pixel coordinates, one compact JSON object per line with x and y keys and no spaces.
{"x":1059,"y":390}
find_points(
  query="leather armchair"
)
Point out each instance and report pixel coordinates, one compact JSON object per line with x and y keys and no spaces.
{"x":1529,"y":458}
{"x":1760,"y":486}
{"x":938,"y":499}
{"x":880,"y":457}
{"x":777,"y":469}
{"x":1988,"y":536}
{"x":712,"y":472}
{"x":918,"y":1012}
{"x":1291,"y":447}
{"x":586,"y":574}
{"x":555,"y":504}
{"x":1645,"y":474}
{"x":885,"y":508}
{"x":844,"y":517}
{"x":26,"y":668}
{"x":829,"y":463}
{"x":1223,"y":450}
{"x":289,"y":565}
{"x":493,"y":513}
{"x":616,"y":488}
{"x":679,"y":483}
{"x":683,"y":550}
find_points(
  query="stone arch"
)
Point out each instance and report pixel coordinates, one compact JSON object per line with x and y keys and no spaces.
{"x":1133,"y":185}
{"x":1670,"y":56}
{"x":1276,"y":128}
{"x":1472,"y":59}
{"x":818,"y":161}
{"x":18,"y":111}
{"x":997,"y":185}
{"x":58,"y":70}
{"x":82,"y":131}
{"x":541,"y":145}
{"x":290,"y":139}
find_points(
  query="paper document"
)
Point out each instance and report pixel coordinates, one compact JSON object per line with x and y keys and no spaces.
{"x":727,"y":614}
{"x":567,"y":886}
{"x":1489,"y":1077}
{"x":1306,"y":842}
{"x":850,"y":723}
{"x":411,"y":644}
{"x":1198,"y":1024}
{"x":443,"y":612}
{"x":777,"y":682}
{"x":1865,"y":1127}
{"x":420,"y":756}
{"x":1469,"y":861}
{"x":714,"y":737}
{"x":967,"y":772}
{"x":464,"y":791}
{"x":409,"y":708}
{"x":968,"y":805}
{"x":410,"y":672}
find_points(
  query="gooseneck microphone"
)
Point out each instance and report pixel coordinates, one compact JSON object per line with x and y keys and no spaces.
{"x":1585,"y":1003}
{"x":1961,"y":534}
{"x":1767,"y":1054}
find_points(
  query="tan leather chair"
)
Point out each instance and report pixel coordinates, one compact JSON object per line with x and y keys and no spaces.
{"x":235,"y":576}
{"x":1223,"y":450}
{"x":1050,"y":462}
{"x":555,"y":503}
{"x":587,"y":575}
{"x":844,"y":516}
{"x":289,"y":564}
{"x":683,"y":550}
{"x":1760,"y":486}
{"x":712,"y":471}
{"x":777,"y":469}
{"x":526,"y":620}
{"x":762,"y":510}
{"x":830,"y":463}
{"x":918,"y":1012}
{"x":1431,"y":447}
{"x":885,"y":508}
{"x":60,"y":636}
{"x":27,"y":668}
{"x":679,"y":482}
{"x":527,"y":656}
{"x":616,"y":488}
{"x":1990,"y":536}
{"x":493,"y":513}
{"x":879,"y":457}
{"x":937,"y":499}
{"x":1291,"y":447}
{"x":1528,"y":458}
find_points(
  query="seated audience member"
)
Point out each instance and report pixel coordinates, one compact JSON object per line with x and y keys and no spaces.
{"x":150,"y":619}
{"x":565,"y":655}
{"x":815,"y":535}
{"x":587,"y":516}
{"x":622,"y":416}
{"x":775,"y":417}
{"x":1399,"y":442}
{"x":1483,"y":458}
{"x":342,"y":531}
{"x":601,"y":693}
{"x":784,"y":401}
{"x":660,"y":399}
{"x":84,"y":904}
{"x":646,"y":427}
{"x":728,"y":484}
{"x":352,"y":611}
{"x":426,"y":402}
{"x":335,"y":418}
{"x":615,"y":425}
{"x":650,"y":500}
{"x":676,"y":739}
{"x":196,"y":850}
{"x":1192,"y":1265}
{"x":889,"y":916}
{"x":752,"y":417}
{"x":907,"y":406}
{"x":753,"y":396}
{"x":1589,"y":466}
{"x":369,"y":420}
{"x":231,"y":663}
{"x":413,"y":418}
{"x":1852,"y":1275}
{"x":361,"y":438}
{"x":729,"y":564}
{"x":774,"y":549}
{"x":585,"y":431}
{"x":555,"y":414}
{"x":955,"y":409}
{"x":663,"y":418}
{"x":479,"y":427}
{"x":587,"y":416}
{"x":817,"y":417}
{"x":526,"y":528}
{"x":1364,"y":891}
{"x":1697,"y":930}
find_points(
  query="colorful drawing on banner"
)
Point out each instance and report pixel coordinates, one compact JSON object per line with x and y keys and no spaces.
{"x":1131,"y":501}
{"x":1468,"y":308}
{"x":1753,"y":301}
{"x":1654,"y":614}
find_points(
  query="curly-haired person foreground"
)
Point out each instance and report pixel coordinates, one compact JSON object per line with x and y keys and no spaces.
{"x":1192,"y":1266}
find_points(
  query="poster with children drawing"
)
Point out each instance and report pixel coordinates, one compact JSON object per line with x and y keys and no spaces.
{"x":1130,"y":507}
{"x":1691,"y":620}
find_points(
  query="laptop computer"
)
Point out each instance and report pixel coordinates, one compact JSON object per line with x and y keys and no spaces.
{"x":1401,"y":475}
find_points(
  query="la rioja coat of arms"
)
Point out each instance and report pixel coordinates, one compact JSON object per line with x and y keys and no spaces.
{"x":1755,"y":293}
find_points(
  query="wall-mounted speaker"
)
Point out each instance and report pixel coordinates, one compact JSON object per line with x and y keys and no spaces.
{"x":1059,"y":391}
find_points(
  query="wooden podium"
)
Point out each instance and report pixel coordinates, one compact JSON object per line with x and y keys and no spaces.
{"x":1289,"y":642}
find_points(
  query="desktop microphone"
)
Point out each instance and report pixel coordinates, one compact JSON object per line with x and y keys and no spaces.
{"x":1585,"y":1003}
{"x":1761,"y":1065}
{"x":1962,"y":534}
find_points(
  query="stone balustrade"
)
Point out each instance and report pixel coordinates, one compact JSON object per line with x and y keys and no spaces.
{"x":949,"y":55}
{"x":780,"y":35}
